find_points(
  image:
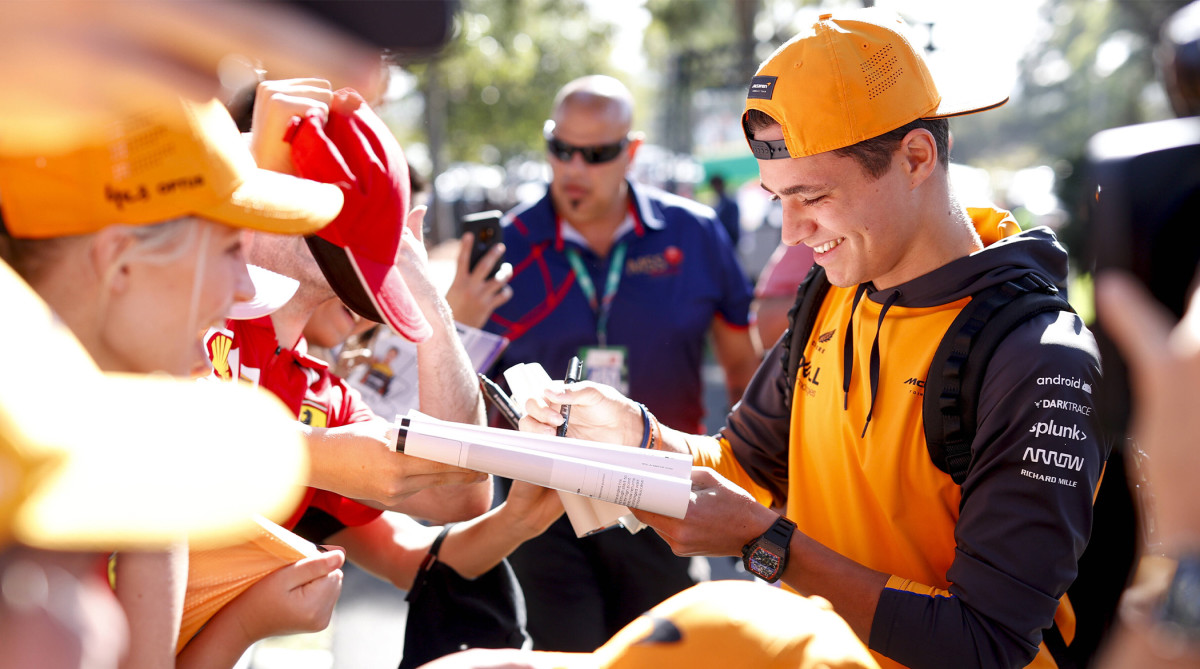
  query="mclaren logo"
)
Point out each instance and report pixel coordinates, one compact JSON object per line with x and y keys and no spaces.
{"x":920,"y":383}
{"x":826,"y":336}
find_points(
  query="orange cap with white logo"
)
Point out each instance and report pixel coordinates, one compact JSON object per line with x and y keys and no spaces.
{"x":852,"y":76}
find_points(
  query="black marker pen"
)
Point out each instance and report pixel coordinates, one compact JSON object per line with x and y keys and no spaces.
{"x":574,"y":371}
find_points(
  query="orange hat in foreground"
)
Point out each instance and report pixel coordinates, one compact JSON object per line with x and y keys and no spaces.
{"x":852,"y":76}
{"x":97,"y":462}
{"x":721,"y":624}
{"x":177,"y":158}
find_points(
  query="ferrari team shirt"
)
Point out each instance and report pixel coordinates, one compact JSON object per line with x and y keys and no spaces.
{"x":247,"y":351}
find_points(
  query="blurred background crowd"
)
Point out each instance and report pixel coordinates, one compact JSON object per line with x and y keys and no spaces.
{"x":470,"y":113}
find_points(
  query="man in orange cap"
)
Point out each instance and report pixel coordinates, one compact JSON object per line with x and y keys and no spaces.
{"x":929,"y":569}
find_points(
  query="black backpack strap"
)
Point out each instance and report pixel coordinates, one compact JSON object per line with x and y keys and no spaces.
{"x":952,"y":397}
{"x":801,"y":317}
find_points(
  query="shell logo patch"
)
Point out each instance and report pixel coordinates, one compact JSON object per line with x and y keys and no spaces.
{"x":218,"y":352}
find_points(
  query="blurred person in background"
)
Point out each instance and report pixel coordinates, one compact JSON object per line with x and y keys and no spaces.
{"x":633,"y":281}
{"x":1159,"y":622}
{"x":1160,"y":616}
{"x":775,"y":290}
{"x":728,"y":211}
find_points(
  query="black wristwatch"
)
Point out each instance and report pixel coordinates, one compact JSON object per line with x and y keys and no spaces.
{"x":766,"y":556}
{"x":1179,"y":615}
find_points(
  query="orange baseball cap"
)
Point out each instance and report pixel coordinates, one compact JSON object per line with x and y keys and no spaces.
{"x":176,"y":158}
{"x":728,"y":623}
{"x":852,"y":76}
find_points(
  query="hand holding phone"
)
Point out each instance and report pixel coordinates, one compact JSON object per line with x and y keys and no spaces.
{"x":475,"y":293}
{"x":485,"y":226}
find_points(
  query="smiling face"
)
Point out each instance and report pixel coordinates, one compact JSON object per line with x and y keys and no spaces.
{"x":859,"y":227}
{"x":162,"y":300}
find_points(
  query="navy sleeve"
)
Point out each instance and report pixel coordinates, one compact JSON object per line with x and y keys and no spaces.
{"x":758,"y":427}
{"x":1026,"y":509}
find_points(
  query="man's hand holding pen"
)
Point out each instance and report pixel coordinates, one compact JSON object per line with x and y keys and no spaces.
{"x":598,"y":413}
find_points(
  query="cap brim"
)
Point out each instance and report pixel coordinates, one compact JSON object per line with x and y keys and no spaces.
{"x":271,"y":291}
{"x":963,"y":105}
{"x":278,"y":203}
{"x":116,"y":461}
{"x":372,"y":290}
{"x":963,"y":94}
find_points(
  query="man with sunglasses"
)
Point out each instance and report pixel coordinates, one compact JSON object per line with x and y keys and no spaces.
{"x":632,"y":280}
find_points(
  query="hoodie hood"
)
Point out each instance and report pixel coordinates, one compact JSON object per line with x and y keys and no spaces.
{"x":1007,"y":254}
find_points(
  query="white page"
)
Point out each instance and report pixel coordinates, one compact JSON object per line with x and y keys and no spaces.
{"x":646,"y":485}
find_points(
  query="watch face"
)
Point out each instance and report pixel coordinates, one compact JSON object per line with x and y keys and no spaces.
{"x":763,"y":563}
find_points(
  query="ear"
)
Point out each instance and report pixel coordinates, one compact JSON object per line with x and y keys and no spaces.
{"x":919,"y":155}
{"x":106,"y":256}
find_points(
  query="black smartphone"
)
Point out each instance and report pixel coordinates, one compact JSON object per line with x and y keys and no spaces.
{"x":1144,"y":218}
{"x":485,"y":225}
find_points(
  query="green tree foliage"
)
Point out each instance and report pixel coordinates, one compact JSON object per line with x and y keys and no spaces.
{"x":696,"y":25}
{"x":1091,"y":69}
{"x":696,"y":44}
{"x":501,"y":69}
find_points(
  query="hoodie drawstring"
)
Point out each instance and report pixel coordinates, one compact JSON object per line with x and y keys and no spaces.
{"x":848,"y":348}
{"x":848,"y":353}
{"x":887,"y":304}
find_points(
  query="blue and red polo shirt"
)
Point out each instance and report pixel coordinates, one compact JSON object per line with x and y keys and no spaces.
{"x":680,"y":272}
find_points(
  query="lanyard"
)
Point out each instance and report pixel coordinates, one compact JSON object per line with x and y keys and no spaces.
{"x":603,"y":306}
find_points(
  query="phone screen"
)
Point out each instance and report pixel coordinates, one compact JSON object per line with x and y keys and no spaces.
{"x":485,"y":226}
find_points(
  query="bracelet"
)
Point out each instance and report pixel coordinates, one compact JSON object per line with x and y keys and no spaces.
{"x":647,"y":435}
{"x":656,"y":435}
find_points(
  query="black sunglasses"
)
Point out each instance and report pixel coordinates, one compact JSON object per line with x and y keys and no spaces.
{"x":592,"y":155}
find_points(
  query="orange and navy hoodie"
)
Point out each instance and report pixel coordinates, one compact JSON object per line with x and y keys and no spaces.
{"x":977,"y":570}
